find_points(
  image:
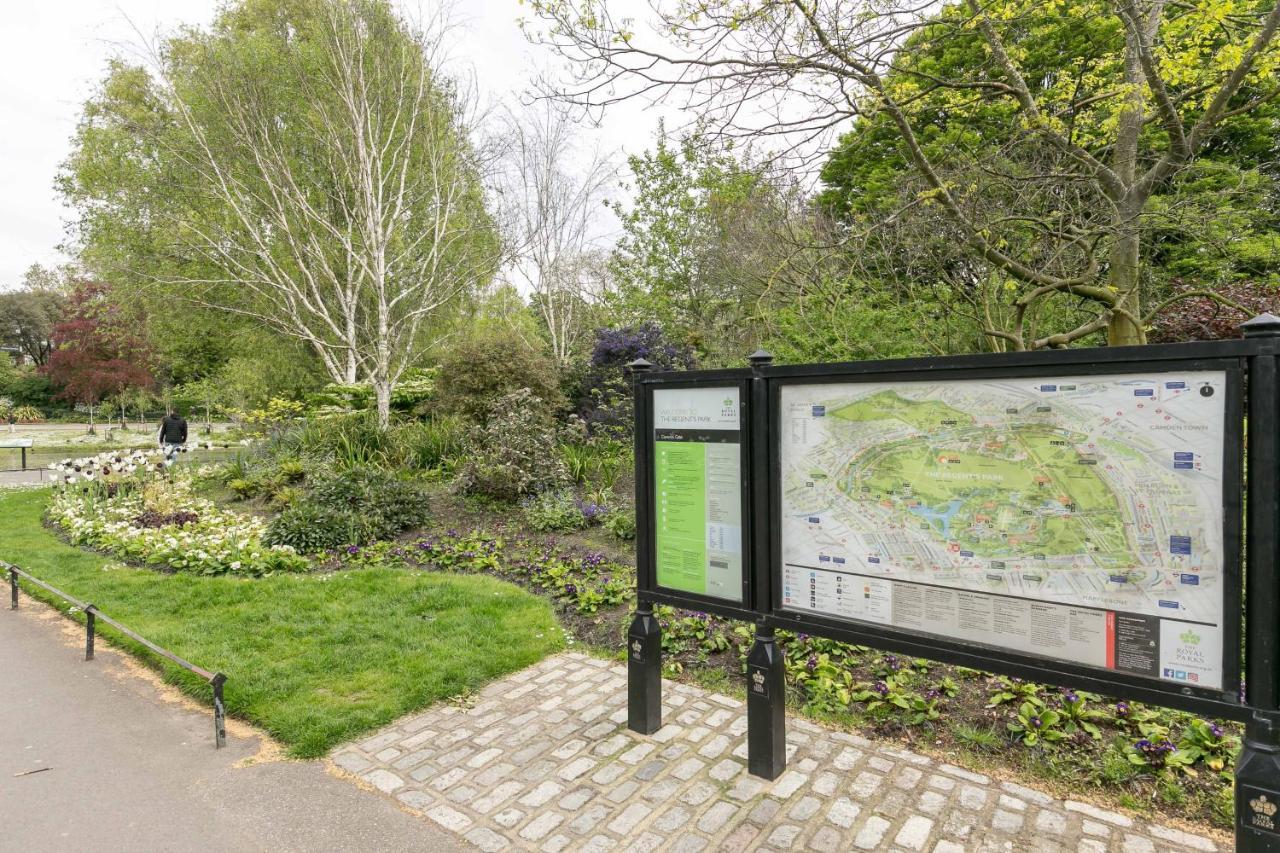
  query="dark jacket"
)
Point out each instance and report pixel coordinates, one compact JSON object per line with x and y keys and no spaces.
{"x":173,"y":430}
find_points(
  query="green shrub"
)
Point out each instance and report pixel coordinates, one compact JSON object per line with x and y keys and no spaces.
{"x":386,"y":503}
{"x":486,"y":368}
{"x":553,"y":511}
{"x":27,"y":414}
{"x":621,"y":522}
{"x":308,"y":528}
{"x":243,"y":487}
{"x":514,"y":453}
{"x":434,"y":443}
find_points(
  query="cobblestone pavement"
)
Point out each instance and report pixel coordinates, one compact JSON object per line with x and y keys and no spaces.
{"x":543,"y":761}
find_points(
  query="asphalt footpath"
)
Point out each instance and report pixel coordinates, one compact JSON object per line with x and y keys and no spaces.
{"x":121,"y":766}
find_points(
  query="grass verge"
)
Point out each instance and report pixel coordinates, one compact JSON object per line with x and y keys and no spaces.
{"x":314,"y":660}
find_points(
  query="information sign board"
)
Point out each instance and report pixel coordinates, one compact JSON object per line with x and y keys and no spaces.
{"x":1077,"y":518}
{"x":697,"y":496}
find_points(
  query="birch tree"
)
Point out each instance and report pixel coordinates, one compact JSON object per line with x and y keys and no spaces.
{"x":557,"y":191}
{"x":1096,"y":124}
{"x":315,"y":169}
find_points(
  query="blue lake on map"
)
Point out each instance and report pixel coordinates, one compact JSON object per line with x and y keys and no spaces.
{"x":939,"y":514}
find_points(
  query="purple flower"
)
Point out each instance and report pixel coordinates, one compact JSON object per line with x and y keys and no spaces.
{"x":1069,"y":697}
{"x":881,"y":688}
{"x":352,"y":549}
{"x":1214,"y":728}
{"x":812,"y":663}
{"x":1122,"y":709}
{"x":1036,"y":722}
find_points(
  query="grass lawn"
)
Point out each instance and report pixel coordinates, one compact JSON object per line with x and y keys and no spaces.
{"x":313,"y":659}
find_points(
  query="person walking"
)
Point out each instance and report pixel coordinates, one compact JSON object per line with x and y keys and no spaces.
{"x":173,"y":435}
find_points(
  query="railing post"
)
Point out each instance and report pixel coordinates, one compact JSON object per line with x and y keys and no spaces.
{"x":219,"y":711}
{"x":1258,"y":767}
{"x":13,"y":588}
{"x":88,"y":631}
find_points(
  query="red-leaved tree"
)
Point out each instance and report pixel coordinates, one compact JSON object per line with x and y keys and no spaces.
{"x":98,"y":349}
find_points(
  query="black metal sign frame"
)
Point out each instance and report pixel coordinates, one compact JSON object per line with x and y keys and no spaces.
{"x":1224,"y":702}
{"x":646,"y":521}
{"x":1251,"y":580}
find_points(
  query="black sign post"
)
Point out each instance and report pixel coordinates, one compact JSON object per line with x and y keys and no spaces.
{"x":1258,"y":767}
{"x":644,"y":638}
{"x":1162,"y":657}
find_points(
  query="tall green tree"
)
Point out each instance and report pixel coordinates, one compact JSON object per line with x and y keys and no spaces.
{"x":1091,"y":121}
{"x":305,"y":164}
{"x":28,"y":315}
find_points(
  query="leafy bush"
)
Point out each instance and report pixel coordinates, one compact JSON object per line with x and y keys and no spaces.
{"x":478,"y":372}
{"x":514,"y":452}
{"x":26,"y":414}
{"x":387,"y":503}
{"x":309,"y":528}
{"x":621,"y":522}
{"x":431,"y":444}
{"x":553,"y":511}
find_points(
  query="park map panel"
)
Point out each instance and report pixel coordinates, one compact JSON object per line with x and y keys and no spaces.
{"x":1077,"y":518}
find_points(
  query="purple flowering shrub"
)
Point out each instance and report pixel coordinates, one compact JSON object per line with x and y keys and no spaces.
{"x":514,"y":452}
{"x":604,"y":399}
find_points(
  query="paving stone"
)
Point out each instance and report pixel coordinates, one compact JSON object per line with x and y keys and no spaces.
{"x":543,"y":762}
{"x":576,"y":768}
{"x":1098,"y":814}
{"x":788,"y":783}
{"x":672,"y":819}
{"x":740,"y":839}
{"x":496,"y":796}
{"x":784,"y":837}
{"x":715,"y":817}
{"x":868,"y":838}
{"x":726,"y":770}
{"x":1137,"y":844}
{"x":575,"y":800}
{"x":914,"y":834}
{"x":805,"y":808}
{"x":843,"y":812}
{"x":826,"y":840}
{"x":746,"y":788}
{"x":541,"y":825}
{"x":541,"y":795}
{"x":384,"y":780}
{"x":450,"y":818}
{"x":1053,"y":823}
{"x":763,"y":812}
{"x":587,"y":821}
{"x":629,"y":818}
{"x":487,"y":840}
{"x":646,"y":842}
{"x":1182,"y":839}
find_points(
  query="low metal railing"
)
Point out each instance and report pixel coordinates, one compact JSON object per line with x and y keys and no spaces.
{"x":93,"y":614}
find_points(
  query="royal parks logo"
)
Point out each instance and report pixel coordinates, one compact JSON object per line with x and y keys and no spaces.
{"x":1191,"y":638}
{"x":729,"y":408}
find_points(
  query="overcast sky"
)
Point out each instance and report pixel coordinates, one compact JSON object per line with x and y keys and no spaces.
{"x":53,"y":51}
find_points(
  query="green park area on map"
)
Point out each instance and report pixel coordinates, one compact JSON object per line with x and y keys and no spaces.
{"x":1021,"y":490}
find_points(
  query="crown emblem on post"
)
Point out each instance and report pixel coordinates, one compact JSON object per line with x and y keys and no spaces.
{"x":757,"y":677}
{"x":637,"y":646}
{"x":1261,"y":805}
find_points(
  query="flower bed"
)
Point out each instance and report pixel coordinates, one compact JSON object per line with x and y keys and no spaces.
{"x":131,"y":506}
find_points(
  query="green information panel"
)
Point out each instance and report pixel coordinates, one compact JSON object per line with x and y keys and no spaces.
{"x":697,"y":462}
